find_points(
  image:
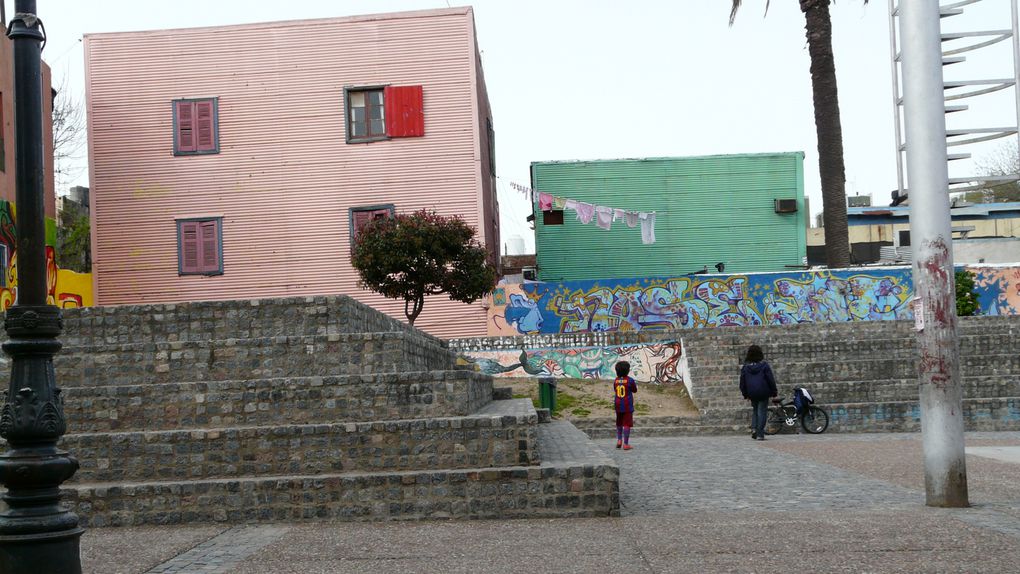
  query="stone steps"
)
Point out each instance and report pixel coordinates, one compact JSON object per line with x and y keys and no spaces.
{"x":881,"y":390}
{"x":504,"y":437}
{"x":809,"y":372}
{"x":224,"y":359}
{"x":576,"y":480}
{"x":983,"y":414}
{"x":217,"y":320}
{"x":260,"y":402}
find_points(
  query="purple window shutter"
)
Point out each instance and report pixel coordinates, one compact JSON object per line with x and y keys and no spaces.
{"x":210,"y":246}
{"x":204,"y":120}
{"x":185,"y":126}
{"x":189,"y":246}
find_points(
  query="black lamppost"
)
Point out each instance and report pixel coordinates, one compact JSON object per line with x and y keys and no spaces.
{"x":37,"y":534}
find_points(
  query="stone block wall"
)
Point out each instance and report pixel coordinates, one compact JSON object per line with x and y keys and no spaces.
{"x":271,"y":357}
{"x":262,"y":402}
{"x":390,"y":446}
{"x":240,"y":319}
{"x":516,"y":492}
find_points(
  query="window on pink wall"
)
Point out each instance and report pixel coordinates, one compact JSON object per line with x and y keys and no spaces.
{"x":383,"y":112}
{"x":200,"y":246}
{"x":196,"y":126}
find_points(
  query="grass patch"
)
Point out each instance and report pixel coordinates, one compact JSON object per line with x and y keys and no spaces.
{"x":580,"y":412}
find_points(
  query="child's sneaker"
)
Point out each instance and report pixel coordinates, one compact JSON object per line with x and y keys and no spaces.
{"x":619,"y":443}
{"x":627,"y":447}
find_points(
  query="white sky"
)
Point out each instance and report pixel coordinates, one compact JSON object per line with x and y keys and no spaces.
{"x":600,"y":79}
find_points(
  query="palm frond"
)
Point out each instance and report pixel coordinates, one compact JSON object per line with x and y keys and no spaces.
{"x":736,"y":7}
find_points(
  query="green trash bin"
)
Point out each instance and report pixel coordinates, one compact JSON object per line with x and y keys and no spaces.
{"x":547,"y":394}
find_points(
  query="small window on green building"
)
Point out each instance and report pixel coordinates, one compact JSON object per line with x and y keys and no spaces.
{"x":554,"y":217}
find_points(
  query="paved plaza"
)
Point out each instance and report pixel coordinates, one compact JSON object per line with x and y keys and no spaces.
{"x":829,"y":503}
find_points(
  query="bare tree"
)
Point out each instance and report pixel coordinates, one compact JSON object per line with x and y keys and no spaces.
{"x":68,"y":135}
{"x":1004,"y":161}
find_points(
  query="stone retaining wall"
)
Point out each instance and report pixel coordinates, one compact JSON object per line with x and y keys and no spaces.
{"x":223,"y":359}
{"x":260,"y":402}
{"x":510,"y":492}
{"x":449,"y":443}
{"x":240,"y":319}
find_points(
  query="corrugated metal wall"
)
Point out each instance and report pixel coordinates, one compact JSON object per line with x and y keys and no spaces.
{"x":284,"y":178}
{"x":709,"y":210}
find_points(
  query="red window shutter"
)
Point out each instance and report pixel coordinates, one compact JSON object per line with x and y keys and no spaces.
{"x":185,"y":126}
{"x":405,"y":116}
{"x":210,"y":244}
{"x":189,"y":247}
{"x":204,"y":125}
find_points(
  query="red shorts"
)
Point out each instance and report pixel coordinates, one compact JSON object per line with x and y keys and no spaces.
{"x":624,"y":419}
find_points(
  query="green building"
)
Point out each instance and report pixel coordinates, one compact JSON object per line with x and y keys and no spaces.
{"x":744,"y":211}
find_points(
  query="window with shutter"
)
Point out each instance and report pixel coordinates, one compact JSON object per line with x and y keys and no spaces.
{"x":196,"y":127}
{"x":362,"y":215}
{"x":199,"y":246}
{"x":381,"y":112}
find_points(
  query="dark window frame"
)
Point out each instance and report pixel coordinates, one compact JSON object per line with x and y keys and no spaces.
{"x":215,"y":126}
{"x":348,"y":120}
{"x":389,"y":208}
{"x":219,"y":245}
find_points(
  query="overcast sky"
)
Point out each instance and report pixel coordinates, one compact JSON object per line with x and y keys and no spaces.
{"x":600,"y":79}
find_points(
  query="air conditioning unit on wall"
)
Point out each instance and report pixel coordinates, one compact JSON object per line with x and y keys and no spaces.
{"x":786,"y":206}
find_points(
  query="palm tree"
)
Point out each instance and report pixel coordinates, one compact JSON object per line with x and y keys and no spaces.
{"x":828,"y":129}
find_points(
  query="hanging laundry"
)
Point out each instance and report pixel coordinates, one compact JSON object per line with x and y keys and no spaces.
{"x":618,"y":214}
{"x":545,"y":201}
{"x":559,"y":202}
{"x":632,"y":219}
{"x":585,"y":212}
{"x":570,"y":204}
{"x":604,"y":217}
{"x":647,"y":227}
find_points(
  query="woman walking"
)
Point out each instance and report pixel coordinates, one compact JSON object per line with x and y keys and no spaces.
{"x":758,"y":385}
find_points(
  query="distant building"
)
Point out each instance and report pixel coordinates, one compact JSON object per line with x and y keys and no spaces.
{"x":238,"y":162}
{"x":75,"y":203}
{"x":982,"y":233}
{"x":732,"y":213}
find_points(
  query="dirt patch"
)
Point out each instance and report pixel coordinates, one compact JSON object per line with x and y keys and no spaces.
{"x":586,"y":398}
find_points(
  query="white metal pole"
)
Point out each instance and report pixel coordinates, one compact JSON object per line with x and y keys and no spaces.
{"x":896,"y":96}
{"x":945,"y":472}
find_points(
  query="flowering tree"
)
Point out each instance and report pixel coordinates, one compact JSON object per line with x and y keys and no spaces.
{"x":410,"y":256}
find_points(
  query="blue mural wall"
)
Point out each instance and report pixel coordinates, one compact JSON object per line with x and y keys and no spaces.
{"x":875,"y":294}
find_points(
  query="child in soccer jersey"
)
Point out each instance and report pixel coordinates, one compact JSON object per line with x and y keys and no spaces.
{"x":624,"y":388}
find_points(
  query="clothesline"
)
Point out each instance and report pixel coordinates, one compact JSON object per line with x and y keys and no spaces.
{"x":603,"y":216}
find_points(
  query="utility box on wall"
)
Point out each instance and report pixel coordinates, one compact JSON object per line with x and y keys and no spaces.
{"x":746,"y":212}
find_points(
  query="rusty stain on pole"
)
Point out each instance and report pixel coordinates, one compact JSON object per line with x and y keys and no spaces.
{"x":945,"y":472}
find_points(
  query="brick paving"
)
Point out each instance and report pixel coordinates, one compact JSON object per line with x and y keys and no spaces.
{"x":221,"y":553}
{"x":847,"y":503}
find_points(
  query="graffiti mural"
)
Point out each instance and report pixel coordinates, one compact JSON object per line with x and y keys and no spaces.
{"x":650,"y":362}
{"x":64,"y":288}
{"x":701,"y":301}
{"x":998,"y":289}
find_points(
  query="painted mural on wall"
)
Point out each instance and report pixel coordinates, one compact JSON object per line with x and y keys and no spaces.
{"x":650,"y":362}
{"x":65,"y":289}
{"x":701,"y":301}
{"x":998,"y":289}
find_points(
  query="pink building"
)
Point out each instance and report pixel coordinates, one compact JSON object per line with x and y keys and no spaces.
{"x":235,"y":162}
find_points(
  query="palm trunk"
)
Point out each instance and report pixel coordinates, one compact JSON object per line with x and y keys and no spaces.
{"x":828,"y":130}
